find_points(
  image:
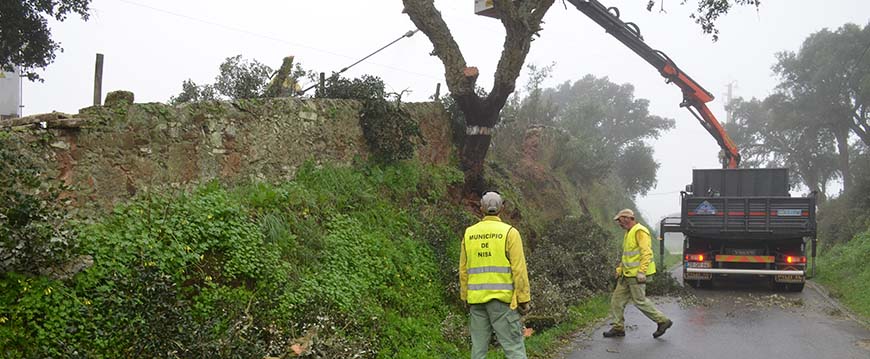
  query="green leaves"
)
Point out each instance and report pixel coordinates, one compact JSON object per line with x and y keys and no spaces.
{"x":389,"y":130}
{"x":34,"y":233}
{"x":25,"y":39}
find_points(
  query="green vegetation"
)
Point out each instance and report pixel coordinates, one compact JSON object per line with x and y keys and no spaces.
{"x":843,"y":269}
{"x":339,"y":262}
{"x":32,"y":218}
{"x":333,"y":261}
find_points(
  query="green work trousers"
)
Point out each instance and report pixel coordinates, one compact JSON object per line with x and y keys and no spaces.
{"x":496,"y":316}
{"x":628,"y":290}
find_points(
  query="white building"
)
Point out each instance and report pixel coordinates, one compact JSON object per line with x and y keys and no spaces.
{"x":10,"y":94}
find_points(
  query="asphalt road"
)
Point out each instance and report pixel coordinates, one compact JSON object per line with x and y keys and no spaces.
{"x":735,"y":320}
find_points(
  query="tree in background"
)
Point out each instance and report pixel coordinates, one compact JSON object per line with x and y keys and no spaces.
{"x":25,"y":39}
{"x":606,"y":127}
{"x":829,"y":78}
{"x":608,"y":118}
{"x":238,"y":78}
{"x":776,"y":133}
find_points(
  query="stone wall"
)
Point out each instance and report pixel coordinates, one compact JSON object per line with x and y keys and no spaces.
{"x":109,"y":154}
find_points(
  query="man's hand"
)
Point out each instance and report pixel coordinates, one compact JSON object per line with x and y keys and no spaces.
{"x":641,"y":278}
{"x":466,"y":305}
{"x":524,"y":308}
{"x":618,"y":272}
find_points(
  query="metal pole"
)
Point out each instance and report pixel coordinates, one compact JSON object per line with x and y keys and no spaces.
{"x":20,"y":93}
{"x":98,"y":80}
{"x":745,"y":271}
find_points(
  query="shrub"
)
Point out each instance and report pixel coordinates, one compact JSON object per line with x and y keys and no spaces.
{"x":568,"y":263}
{"x":389,"y":130}
{"x":34,"y":234}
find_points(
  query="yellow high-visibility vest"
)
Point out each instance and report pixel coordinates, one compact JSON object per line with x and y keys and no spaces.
{"x":631,"y":252}
{"x":489,"y":270}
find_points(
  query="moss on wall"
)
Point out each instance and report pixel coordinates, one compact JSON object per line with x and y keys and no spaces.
{"x":108,"y":154}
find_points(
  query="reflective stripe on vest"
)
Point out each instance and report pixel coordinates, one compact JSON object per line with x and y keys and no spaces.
{"x":631,"y":252}
{"x":489,"y":270}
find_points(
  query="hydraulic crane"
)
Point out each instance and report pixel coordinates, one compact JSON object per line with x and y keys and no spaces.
{"x":695,"y":97}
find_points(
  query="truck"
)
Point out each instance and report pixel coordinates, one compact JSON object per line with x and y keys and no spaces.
{"x":736,"y":222}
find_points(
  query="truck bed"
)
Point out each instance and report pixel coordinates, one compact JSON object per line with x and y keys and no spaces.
{"x":749,"y":218}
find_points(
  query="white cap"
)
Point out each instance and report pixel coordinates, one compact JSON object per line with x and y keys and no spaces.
{"x":491,"y":203}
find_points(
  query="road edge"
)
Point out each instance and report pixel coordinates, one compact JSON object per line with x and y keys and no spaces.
{"x":819,"y":288}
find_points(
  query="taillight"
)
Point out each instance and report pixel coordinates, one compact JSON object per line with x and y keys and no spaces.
{"x":695,"y":257}
{"x":795,"y":259}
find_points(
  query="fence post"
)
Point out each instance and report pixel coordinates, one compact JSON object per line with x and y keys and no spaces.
{"x":322,"y":82}
{"x":438,"y":92}
{"x":98,"y":80}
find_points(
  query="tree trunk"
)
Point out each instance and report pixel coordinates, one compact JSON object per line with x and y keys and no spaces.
{"x":842,"y":135}
{"x":861,"y":127}
{"x":812,"y":182}
{"x":522,"y":20}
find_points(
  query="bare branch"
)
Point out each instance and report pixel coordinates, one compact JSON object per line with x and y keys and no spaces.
{"x":428,"y":19}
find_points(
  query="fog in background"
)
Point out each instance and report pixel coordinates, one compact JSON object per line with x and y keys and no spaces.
{"x":152,"y":46}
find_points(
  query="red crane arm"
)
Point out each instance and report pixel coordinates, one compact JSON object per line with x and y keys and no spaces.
{"x":695,"y":97}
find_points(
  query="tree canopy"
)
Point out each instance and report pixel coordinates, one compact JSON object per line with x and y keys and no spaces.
{"x":606,"y":127}
{"x":25,"y":39}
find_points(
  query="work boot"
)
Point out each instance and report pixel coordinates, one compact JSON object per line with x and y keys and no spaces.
{"x":663,"y":326}
{"x":614,"y":333}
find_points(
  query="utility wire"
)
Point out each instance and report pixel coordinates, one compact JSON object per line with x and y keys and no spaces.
{"x":407,"y":34}
{"x":267,"y":37}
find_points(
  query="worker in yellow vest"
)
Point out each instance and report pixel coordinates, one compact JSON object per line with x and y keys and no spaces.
{"x":494,"y":282}
{"x":631,"y":276}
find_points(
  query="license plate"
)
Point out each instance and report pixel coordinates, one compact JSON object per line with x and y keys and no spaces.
{"x":699,"y":264}
{"x":788,"y":212}
{"x":789,"y":278}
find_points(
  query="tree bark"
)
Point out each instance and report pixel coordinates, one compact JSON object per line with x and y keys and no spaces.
{"x":842,"y":135}
{"x":522,"y":20}
{"x":861,"y":127}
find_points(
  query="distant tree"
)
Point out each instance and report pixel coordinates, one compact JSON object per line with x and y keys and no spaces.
{"x":605,"y":123}
{"x":774,"y":133}
{"x":238,"y":78}
{"x":191,"y":92}
{"x":608,"y":116}
{"x":637,"y":168}
{"x":25,"y":39}
{"x":607,"y":110}
{"x":830,"y":79}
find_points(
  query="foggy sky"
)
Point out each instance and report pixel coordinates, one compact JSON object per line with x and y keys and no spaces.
{"x":151,"y":46}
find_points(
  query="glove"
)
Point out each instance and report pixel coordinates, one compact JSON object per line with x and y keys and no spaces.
{"x":641,"y":278}
{"x":524,"y":308}
{"x":618,"y":272}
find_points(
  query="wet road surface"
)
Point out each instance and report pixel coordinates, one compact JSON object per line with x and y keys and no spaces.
{"x":735,"y":320}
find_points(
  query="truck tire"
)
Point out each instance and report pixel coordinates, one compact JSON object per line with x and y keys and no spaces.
{"x":795,"y":287}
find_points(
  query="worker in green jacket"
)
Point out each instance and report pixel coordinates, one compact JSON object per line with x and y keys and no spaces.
{"x":631,"y":276}
{"x":494,"y":282}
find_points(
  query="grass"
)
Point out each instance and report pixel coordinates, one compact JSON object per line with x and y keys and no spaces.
{"x":844,"y":271}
